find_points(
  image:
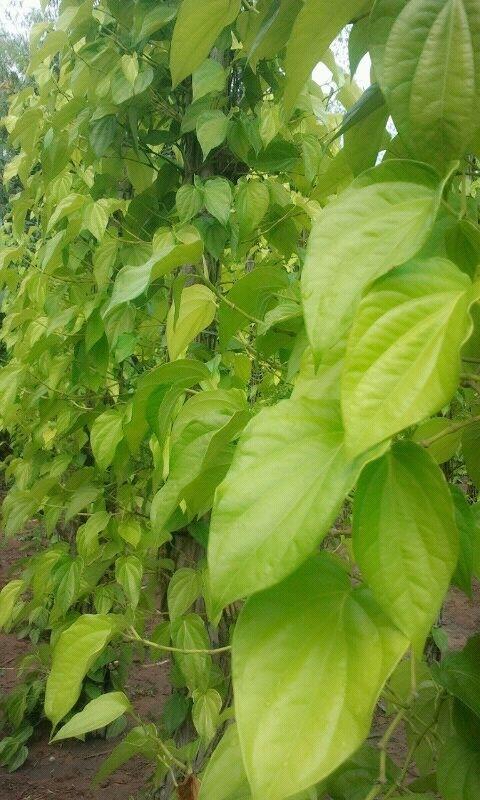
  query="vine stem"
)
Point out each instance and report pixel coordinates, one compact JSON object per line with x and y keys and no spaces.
{"x":374,"y":792}
{"x":188,"y":651}
{"x":228,"y":302}
{"x":411,"y":752}
{"x":451,"y":429}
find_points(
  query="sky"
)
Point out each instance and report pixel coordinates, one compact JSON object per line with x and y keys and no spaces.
{"x":18,"y":8}
{"x":13,"y":11}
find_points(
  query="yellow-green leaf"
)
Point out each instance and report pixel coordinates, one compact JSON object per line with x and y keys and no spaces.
{"x":75,"y":651}
{"x":405,"y":537}
{"x":98,"y":713}
{"x":403,"y":355}
{"x":313,"y":630}
{"x":196,"y":29}
{"x":380,"y":221}
{"x":195,"y":313}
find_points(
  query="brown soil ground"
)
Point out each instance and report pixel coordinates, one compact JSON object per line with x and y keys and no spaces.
{"x":65,"y":771}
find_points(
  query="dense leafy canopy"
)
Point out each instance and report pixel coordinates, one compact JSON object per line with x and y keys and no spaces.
{"x":240,"y":354}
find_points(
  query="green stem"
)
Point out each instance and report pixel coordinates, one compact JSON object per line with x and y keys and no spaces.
{"x":457,"y":426}
{"x":188,"y":651}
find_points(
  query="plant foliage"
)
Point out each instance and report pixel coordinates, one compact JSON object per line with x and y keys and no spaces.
{"x":239,"y":387}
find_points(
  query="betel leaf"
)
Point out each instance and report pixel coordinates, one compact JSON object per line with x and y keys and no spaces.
{"x":183,"y":589}
{"x":209,"y":77}
{"x":170,"y":251}
{"x":431,"y":77}
{"x":205,"y":713}
{"x":459,"y":673}
{"x":8,"y":597}
{"x":75,"y":651}
{"x":371,"y":100}
{"x":196,"y":311}
{"x":330,"y":649}
{"x":189,"y":633}
{"x":98,"y":713}
{"x":471,"y":452}
{"x":380,"y":22}
{"x":195,"y":32}
{"x":182,"y":373}
{"x":403,"y":355}
{"x":102,"y":133}
{"x":150,"y":21}
{"x":68,"y":205}
{"x":269,"y":30}
{"x":251,"y":205}
{"x":189,"y":201}
{"x":128,"y":573}
{"x":194,"y":451}
{"x":358,"y":44}
{"x":380,"y":221}
{"x":252,"y":294}
{"x":458,"y":770}
{"x":405,"y":538}
{"x":467,"y":529}
{"x":286,"y":484}
{"x":106,"y":435}
{"x":225,"y":777}
{"x":315,"y":27}
{"x":218,"y":199}
{"x":211,"y":128}
{"x":140,"y":741}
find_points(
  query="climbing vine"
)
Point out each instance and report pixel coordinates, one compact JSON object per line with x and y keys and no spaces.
{"x":239,"y":391}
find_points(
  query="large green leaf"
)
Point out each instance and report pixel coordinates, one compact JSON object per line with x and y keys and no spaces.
{"x":224,"y":777}
{"x":139,"y":741}
{"x":310,"y":657}
{"x":182,"y":373}
{"x":467,"y":529}
{"x":75,"y":651}
{"x":471,"y":452}
{"x":195,"y":312}
{"x":252,"y":294}
{"x":459,"y":673}
{"x":403,"y":356}
{"x":8,"y":597}
{"x":98,"y":713}
{"x":195,"y":446}
{"x":431,"y":76}
{"x":105,"y":436}
{"x":251,"y":205}
{"x":405,"y":538}
{"x":128,"y":573}
{"x":184,"y":588}
{"x":284,"y":489}
{"x":315,"y":27}
{"x":209,"y":77}
{"x":380,"y":22}
{"x":380,"y":221}
{"x":218,"y":199}
{"x":195,"y":32}
{"x":458,"y":772}
{"x":170,"y":251}
{"x":211,"y":127}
